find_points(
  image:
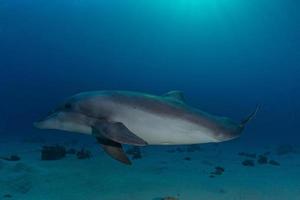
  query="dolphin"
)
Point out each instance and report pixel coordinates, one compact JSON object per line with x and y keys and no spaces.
{"x":134,"y":118}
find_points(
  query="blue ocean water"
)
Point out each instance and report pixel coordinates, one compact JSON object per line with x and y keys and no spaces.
{"x":227,"y":56}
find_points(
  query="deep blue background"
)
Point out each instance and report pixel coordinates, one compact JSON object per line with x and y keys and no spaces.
{"x":225,"y":55}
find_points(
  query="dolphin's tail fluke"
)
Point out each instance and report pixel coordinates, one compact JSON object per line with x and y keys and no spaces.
{"x":250,"y":117}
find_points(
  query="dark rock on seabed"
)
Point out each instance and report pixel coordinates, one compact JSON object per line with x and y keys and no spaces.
{"x":7,"y":196}
{"x":187,"y":158}
{"x":221,"y":169}
{"x":273,"y":162}
{"x":262,"y":160}
{"x":83,"y":154}
{"x":248,"y":163}
{"x":11,"y":158}
{"x":166,"y":198}
{"x":53,"y":152}
{"x":218,"y":171}
{"x":170,"y":198}
{"x":222,"y":191}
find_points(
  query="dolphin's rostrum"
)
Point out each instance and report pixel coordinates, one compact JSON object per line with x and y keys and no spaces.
{"x":123,"y":117}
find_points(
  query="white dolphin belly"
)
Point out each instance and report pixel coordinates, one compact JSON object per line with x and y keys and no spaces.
{"x":159,"y":129}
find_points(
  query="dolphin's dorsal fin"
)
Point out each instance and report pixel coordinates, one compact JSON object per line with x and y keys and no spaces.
{"x":175,"y":94}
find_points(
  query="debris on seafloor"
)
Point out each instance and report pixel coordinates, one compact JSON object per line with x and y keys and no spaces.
{"x":6,"y":196}
{"x":187,"y":158}
{"x":53,"y":152}
{"x":167,"y":198}
{"x":249,"y":155}
{"x":170,"y":198}
{"x":135,"y":152}
{"x":262,"y":160}
{"x":218,"y":171}
{"x":83,"y":154}
{"x":248,"y":163}
{"x":11,"y":158}
{"x":273,"y":162}
{"x":221,"y":169}
{"x":285,"y":149}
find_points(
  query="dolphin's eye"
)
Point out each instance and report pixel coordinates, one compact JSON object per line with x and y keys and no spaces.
{"x":68,"y":106}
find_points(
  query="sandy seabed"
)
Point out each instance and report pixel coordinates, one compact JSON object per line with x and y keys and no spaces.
{"x":161,"y":172}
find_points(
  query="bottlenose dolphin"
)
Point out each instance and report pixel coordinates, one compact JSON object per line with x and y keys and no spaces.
{"x":124,"y":117}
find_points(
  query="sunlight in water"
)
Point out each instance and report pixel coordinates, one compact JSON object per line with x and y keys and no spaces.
{"x":196,"y":18}
{"x":212,"y":12}
{"x":199,"y":7}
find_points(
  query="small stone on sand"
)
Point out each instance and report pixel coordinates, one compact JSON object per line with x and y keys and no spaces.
{"x":12,"y":158}
{"x":218,"y":171}
{"x":273,"y":162}
{"x":7,"y":196}
{"x":187,"y":158}
{"x":248,"y":163}
{"x":53,"y":152}
{"x":83,"y":154}
{"x":262,"y":159}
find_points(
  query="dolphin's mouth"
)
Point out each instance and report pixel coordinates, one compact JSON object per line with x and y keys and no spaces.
{"x":37,"y":124}
{"x":40,"y":123}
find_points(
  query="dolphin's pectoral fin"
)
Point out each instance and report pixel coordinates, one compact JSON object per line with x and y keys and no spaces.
{"x":114,"y":149}
{"x":175,"y":94}
{"x":117,"y":132}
